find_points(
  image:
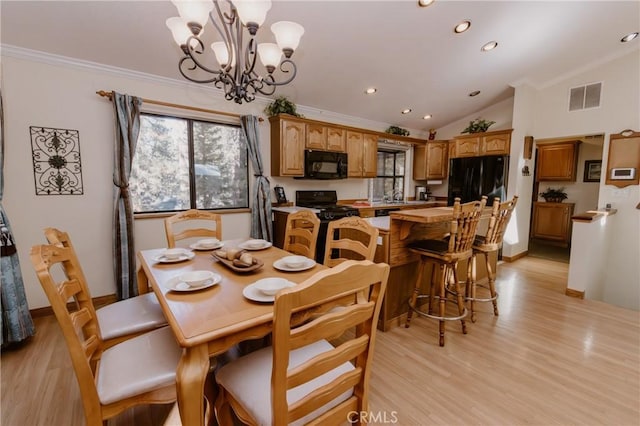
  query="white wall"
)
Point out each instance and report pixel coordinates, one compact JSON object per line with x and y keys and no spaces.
{"x":619,"y":110}
{"x":50,"y":91}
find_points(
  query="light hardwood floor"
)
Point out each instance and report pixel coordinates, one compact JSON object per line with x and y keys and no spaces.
{"x":547,"y":359}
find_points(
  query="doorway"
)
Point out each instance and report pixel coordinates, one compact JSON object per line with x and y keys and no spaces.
{"x":562,"y":164}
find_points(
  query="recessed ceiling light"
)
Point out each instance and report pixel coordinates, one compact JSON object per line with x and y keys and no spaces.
{"x":425,"y":3}
{"x":462,"y":27}
{"x":406,"y":111}
{"x":426,"y":117}
{"x":371,"y":90}
{"x":489,"y":46}
{"x":474,"y":93}
{"x":629,"y":37}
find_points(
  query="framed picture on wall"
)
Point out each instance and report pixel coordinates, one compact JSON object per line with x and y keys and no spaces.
{"x":592,"y":169}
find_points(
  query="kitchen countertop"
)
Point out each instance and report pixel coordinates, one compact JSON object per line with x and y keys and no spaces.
{"x":381,"y":205}
{"x":293,"y":209}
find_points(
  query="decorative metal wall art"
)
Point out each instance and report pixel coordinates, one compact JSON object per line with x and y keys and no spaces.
{"x":56,"y":161}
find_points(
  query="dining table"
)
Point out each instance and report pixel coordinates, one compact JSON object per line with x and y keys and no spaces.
{"x":210,"y":320}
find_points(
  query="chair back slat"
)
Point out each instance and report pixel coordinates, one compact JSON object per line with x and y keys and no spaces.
{"x":359,"y":287}
{"x":464,"y":225}
{"x":80,"y":318}
{"x":357,"y":239}
{"x":336,"y":416}
{"x":301,"y":233}
{"x":327,"y":361}
{"x":69,"y":289}
{"x":324,"y":394}
{"x":177,"y":227}
{"x":500,"y":217}
{"x":331,"y":324}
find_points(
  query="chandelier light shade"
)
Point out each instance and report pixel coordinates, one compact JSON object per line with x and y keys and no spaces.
{"x":235,"y":72}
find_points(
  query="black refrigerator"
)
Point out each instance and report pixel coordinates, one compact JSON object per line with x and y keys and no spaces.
{"x":471,"y":178}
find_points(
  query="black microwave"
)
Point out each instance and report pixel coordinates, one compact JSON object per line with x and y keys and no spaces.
{"x":325,"y":165}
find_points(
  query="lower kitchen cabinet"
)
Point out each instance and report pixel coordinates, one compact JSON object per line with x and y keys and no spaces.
{"x":552,"y":222}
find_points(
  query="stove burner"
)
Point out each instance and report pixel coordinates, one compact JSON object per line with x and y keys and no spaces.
{"x":325,"y":201}
{"x":336,"y":212}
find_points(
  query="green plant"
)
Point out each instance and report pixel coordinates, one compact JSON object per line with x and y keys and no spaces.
{"x":554,"y":195}
{"x":281,"y":105}
{"x":395,"y":130}
{"x":478,"y":126}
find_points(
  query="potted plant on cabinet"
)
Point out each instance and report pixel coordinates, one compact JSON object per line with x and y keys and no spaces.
{"x":281,"y":105}
{"x":478,"y":126}
{"x":553,"y":195}
{"x":395,"y":130}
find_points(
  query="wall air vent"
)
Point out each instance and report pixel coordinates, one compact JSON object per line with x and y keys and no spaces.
{"x":584,"y":97}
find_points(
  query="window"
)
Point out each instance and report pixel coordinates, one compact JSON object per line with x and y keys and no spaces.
{"x":182,"y":164}
{"x":389,"y":181}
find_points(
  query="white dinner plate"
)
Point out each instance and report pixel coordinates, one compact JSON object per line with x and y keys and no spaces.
{"x":185,"y":256}
{"x":282,"y":266}
{"x":175,"y":284}
{"x":195,"y":246}
{"x":252,"y":293}
{"x":244,"y":246}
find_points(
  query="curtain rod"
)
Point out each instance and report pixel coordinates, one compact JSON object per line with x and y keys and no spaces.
{"x":108,"y":95}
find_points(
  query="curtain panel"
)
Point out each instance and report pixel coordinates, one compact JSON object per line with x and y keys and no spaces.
{"x":127,"y":129}
{"x":261,"y":226}
{"x":15,"y":321}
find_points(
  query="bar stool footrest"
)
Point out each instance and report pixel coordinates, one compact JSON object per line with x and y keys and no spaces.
{"x":438,"y":317}
{"x":481,"y":299}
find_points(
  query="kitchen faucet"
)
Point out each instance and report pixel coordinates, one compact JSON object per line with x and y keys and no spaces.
{"x":397,"y":196}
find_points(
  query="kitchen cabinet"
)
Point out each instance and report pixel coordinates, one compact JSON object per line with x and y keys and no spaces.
{"x":481,"y":144}
{"x":557,"y":161}
{"x":552,"y":222}
{"x":430,"y":160}
{"x":327,"y":138}
{"x":466,"y":147}
{"x":362,"y":151}
{"x":287,"y":146}
{"x":291,"y":135}
{"x":496,"y":143}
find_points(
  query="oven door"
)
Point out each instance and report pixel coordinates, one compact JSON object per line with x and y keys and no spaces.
{"x":325,"y":165}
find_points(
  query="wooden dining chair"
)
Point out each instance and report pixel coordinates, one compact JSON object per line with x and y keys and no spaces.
{"x":188,"y":224}
{"x":118,"y":321}
{"x":301,"y":233}
{"x":141,"y":370}
{"x":488,"y":245}
{"x":350,"y":238}
{"x":444,"y":255}
{"x":303,"y":377}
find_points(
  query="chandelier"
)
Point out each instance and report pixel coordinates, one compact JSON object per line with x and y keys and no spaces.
{"x":236,"y":71}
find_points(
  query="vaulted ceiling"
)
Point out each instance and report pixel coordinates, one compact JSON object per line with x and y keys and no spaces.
{"x":409,"y":53}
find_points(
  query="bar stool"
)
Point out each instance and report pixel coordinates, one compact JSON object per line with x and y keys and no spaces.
{"x":445,"y":254}
{"x":485,"y":245}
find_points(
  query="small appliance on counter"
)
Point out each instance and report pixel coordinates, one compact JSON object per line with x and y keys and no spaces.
{"x":421,"y":193}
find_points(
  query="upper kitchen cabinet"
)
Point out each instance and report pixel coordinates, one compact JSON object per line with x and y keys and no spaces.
{"x":288,"y":136}
{"x":557,"y":161}
{"x":480,"y":144}
{"x":362,"y":151}
{"x":430,"y":160}
{"x":326,"y":138}
{"x":496,"y":143}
